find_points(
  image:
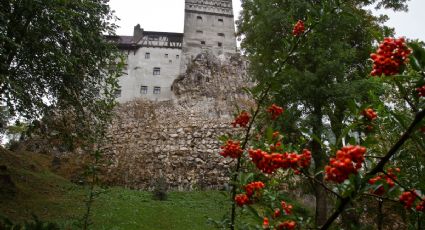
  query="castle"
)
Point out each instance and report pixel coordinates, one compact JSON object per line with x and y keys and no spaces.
{"x":155,"y":59}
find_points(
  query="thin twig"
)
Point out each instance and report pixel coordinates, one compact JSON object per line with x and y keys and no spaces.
{"x":379,"y":197}
{"x":369,"y":156}
{"x":322,"y":184}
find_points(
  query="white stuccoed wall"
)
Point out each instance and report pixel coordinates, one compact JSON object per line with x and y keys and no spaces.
{"x":140,"y":73}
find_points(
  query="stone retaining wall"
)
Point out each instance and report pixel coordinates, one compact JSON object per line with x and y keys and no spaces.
{"x":178,"y":139}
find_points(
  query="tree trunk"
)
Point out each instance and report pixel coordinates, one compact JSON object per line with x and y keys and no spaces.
{"x":319,"y":161}
{"x":350,"y":218}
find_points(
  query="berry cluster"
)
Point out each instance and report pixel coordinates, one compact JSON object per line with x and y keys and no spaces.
{"x":251,"y":190}
{"x":286,"y":207}
{"x":242,"y":199}
{"x":231,"y":149}
{"x":287,"y":225}
{"x":242,"y":119}
{"x":388,"y":179}
{"x":298,"y":28}
{"x":408,"y":198}
{"x":348,"y":161}
{"x":269,"y":163}
{"x":390,"y":57}
{"x":275,"y":111}
{"x":369,"y":114}
{"x":421,"y":91}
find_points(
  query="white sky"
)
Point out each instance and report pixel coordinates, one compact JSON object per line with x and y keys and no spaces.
{"x":168,"y":16}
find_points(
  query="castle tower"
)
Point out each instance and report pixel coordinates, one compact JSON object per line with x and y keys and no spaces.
{"x":208,"y":25}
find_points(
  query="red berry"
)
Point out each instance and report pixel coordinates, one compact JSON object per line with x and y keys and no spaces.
{"x":266,"y":223}
{"x":242,"y":199}
{"x":254,"y":187}
{"x":275,"y":111}
{"x":242,"y":119}
{"x":369,"y":114}
{"x":421,"y":91}
{"x":298,"y":28}
{"x":232,"y":149}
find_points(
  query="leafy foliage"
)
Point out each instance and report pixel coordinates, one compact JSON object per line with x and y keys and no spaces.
{"x":322,"y":79}
{"x":53,"y":55}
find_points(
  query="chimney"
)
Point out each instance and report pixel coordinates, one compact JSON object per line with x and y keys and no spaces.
{"x":137,"y":34}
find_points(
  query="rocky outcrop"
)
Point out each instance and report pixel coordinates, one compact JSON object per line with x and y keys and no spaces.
{"x":178,"y":139}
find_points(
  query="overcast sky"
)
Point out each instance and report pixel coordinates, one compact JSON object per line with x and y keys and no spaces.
{"x":168,"y":16}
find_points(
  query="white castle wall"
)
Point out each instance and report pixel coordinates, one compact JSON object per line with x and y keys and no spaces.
{"x":140,"y":73}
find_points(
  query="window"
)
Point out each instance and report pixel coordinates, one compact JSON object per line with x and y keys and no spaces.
{"x":156,"y":90}
{"x":156,"y":71}
{"x":147,"y":55}
{"x":199,"y":18}
{"x":199,"y":32}
{"x":170,"y":61}
{"x":166,"y":55}
{"x":220,"y":35}
{"x":202,"y":42}
{"x":143,"y":89}
{"x":220,"y":44}
{"x":177,"y":56}
{"x":117,"y":93}
{"x":220,"y":20}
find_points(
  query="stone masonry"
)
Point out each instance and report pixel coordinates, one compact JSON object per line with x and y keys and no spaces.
{"x":178,"y":140}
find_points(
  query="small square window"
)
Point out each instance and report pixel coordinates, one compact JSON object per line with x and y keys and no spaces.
{"x":147,"y":55}
{"x":199,"y":18}
{"x":220,"y":34}
{"x":177,"y":56}
{"x":166,"y":55}
{"x":202,"y":42}
{"x":143,"y":89}
{"x":156,"y":71}
{"x":199,"y":32}
{"x":117,"y":93}
{"x":170,"y":61}
{"x":220,"y":20}
{"x":156,"y":90}
{"x":220,"y":44}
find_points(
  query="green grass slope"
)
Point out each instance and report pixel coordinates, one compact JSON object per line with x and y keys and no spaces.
{"x":36,"y":190}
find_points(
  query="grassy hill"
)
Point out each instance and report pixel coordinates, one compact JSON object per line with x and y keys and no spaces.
{"x":28,"y":187}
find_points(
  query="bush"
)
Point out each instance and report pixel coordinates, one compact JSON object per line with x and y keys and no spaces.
{"x":160,"y":189}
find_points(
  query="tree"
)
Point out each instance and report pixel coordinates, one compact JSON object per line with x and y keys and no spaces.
{"x":323,"y":76}
{"x":54,"y":57}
